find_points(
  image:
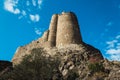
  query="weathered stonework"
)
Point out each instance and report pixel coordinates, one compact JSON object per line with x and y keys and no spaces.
{"x":63,"y":29}
{"x":53,"y":30}
{"x":68,"y":30}
{"x":45,"y":36}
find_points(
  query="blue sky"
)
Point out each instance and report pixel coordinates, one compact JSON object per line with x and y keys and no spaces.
{"x":22,"y":21}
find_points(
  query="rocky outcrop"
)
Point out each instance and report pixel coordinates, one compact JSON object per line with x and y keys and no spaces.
{"x":78,"y":60}
{"x":114,"y":69}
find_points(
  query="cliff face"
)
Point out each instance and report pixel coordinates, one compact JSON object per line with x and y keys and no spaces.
{"x":63,"y":32}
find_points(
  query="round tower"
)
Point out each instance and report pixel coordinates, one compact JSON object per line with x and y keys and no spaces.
{"x":53,"y":30}
{"x":68,"y":30}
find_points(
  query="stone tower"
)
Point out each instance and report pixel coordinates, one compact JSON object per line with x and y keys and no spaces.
{"x":67,"y":29}
{"x":63,"y":30}
{"x":53,"y":30}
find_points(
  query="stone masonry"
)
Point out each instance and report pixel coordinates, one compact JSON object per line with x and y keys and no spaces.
{"x":63,"y":29}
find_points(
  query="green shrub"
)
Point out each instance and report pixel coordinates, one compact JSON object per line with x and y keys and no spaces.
{"x":34,"y":67}
{"x":96,"y":67}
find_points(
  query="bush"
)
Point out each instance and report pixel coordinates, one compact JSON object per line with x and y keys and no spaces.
{"x":34,"y":67}
{"x":96,"y":67}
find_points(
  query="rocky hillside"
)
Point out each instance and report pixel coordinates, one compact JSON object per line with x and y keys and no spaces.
{"x":78,"y":60}
{"x":84,"y":62}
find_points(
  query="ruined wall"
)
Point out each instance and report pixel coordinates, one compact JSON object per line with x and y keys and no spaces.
{"x":45,"y":36}
{"x":67,"y":30}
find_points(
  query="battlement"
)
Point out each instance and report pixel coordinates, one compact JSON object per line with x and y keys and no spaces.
{"x":63,"y":29}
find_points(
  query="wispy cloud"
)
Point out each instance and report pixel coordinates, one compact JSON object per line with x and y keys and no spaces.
{"x":110,"y":23}
{"x":34,"y":18}
{"x":39,"y":3}
{"x":111,"y":44}
{"x":24,"y":13}
{"x":113,"y":51}
{"x":10,"y":5}
{"x":107,"y":28}
{"x":104,"y":32}
{"x":113,"y":48}
{"x":27,"y":3}
{"x":38,"y":32}
{"x":34,"y":2}
{"x":118,"y":37}
{"x":26,"y":10}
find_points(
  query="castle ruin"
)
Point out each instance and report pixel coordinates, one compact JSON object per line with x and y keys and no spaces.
{"x":63,"y":30}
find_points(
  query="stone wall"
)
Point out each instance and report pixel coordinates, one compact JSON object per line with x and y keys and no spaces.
{"x":45,"y":36}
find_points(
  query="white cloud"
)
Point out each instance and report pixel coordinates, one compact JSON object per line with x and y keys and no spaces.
{"x":37,"y":31}
{"x":113,"y":51}
{"x":26,"y":10}
{"x":24,"y":13}
{"x":115,"y":57}
{"x":34,"y":2}
{"x":27,"y":3}
{"x":34,"y":18}
{"x":10,"y":5}
{"x":39,"y":3}
{"x":114,"y":54}
{"x":111,"y":44}
{"x":113,"y":48}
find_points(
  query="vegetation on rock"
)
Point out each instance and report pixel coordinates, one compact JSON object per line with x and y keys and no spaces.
{"x":34,"y":67}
